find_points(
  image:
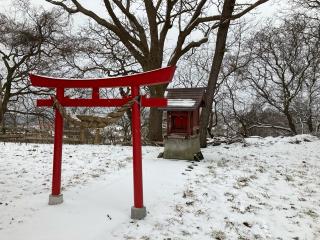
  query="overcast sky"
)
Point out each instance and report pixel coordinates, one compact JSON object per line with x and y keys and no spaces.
{"x":269,"y":9}
{"x":257,"y":17}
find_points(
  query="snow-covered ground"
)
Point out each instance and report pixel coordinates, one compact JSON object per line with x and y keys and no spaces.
{"x":261,"y":189}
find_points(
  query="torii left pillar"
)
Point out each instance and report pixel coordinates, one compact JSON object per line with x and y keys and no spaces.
{"x":56,"y":197}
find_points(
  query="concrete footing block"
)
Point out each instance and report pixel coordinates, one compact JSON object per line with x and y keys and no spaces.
{"x":55,"y":199}
{"x":138,"y":213}
{"x":182,"y":148}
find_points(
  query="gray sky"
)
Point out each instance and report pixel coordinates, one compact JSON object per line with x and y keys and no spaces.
{"x":269,"y":9}
{"x":258,"y":16}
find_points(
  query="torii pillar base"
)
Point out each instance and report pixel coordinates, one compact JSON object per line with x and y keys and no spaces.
{"x":55,"y":199}
{"x":138,"y":213}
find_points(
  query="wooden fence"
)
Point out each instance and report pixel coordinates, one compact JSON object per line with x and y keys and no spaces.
{"x":32,"y":135}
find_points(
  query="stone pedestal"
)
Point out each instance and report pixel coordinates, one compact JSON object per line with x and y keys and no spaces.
{"x":180,"y":147}
{"x":138,"y":213}
{"x":55,"y":199}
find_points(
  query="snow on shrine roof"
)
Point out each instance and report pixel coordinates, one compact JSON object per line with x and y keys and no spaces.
{"x":184,"y":99}
{"x":181,"y":102}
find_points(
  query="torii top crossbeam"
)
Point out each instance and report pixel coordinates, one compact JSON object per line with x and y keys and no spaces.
{"x":155,"y":77}
{"x":159,"y":76}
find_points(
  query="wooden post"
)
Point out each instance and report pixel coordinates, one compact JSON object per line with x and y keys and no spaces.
{"x":95,"y":93}
{"x":82,"y":136}
{"x":97,"y":137}
{"x":188,"y":120}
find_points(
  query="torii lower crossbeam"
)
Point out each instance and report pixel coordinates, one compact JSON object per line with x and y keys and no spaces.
{"x":159,"y":76}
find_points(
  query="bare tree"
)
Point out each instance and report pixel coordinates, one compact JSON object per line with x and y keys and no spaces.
{"x":143,"y":27}
{"x":193,"y":69}
{"x":309,"y":3}
{"x":25,"y":36}
{"x":229,"y":6}
{"x":245,"y":117}
{"x":306,"y":104}
{"x":97,"y":52}
{"x":282,"y":58}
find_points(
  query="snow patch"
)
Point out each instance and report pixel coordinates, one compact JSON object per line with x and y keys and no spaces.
{"x":181,"y":102}
{"x":265,"y":188}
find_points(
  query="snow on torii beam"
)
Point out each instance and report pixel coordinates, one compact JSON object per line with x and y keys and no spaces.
{"x":155,"y":77}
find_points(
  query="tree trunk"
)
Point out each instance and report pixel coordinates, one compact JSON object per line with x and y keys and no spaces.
{"x":210,"y":125}
{"x":291,"y":124}
{"x":2,"y":119}
{"x":157,"y":91}
{"x":310,"y":113}
{"x":310,"y":124}
{"x":3,"y":109}
{"x":244,"y":129}
{"x":155,"y":125}
{"x":155,"y":117}
{"x":222,"y":34}
{"x":6,"y":97}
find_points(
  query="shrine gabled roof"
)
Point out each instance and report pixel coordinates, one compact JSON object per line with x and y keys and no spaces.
{"x":184,"y":99}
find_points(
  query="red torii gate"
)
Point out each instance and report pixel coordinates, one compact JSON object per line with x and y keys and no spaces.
{"x":159,"y":76}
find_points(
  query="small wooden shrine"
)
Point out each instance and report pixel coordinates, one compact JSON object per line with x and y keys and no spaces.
{"x":182,"y":140}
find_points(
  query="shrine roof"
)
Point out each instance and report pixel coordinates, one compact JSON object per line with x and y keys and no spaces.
{"x":184,"y":99}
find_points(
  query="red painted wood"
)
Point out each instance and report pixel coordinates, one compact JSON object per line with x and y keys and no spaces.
{"x":57,"y":150}
{"x":179,"y":122}
{"x":44,"y":102}
{"x":95,"y":93}
{"x":183,"y":122}
{"x":137,"y":153}
{"x":159,"y":76}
